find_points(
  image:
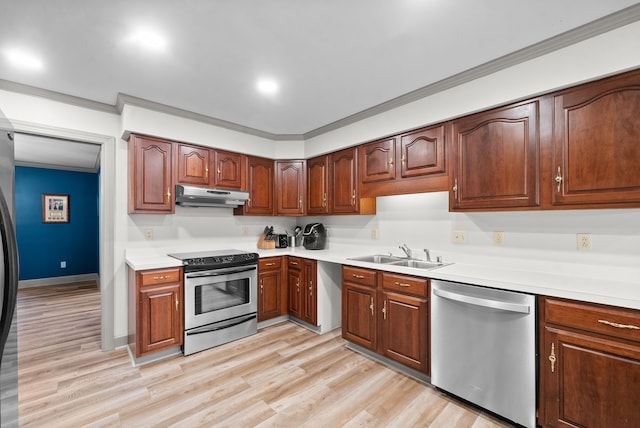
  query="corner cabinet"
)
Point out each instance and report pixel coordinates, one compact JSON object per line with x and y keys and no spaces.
{"x":150,"y":176}
{"x":156,"y":310}
{"x":272,"y":297}
{"x":290,"y":185}
{"x":589,"y":365}
{"x":343,"y":179}
{"x":596,"y":144}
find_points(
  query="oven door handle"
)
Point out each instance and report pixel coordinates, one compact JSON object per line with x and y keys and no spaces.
{"x":221,"y":325}
{"x":217,"y":273}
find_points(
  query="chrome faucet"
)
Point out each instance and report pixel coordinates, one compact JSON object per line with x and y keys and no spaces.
{"x":426,"y":251}
{"x":406,"y":250}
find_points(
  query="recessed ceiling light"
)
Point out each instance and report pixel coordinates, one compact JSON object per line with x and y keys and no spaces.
{"x":23,"y":59}
{"x":149,"y":39}
{"x":267,"y":86}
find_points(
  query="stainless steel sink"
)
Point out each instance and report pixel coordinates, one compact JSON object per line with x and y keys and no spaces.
{"x":377,"y":258}
{"x":399,"y":261}
{"x":418,"y":264}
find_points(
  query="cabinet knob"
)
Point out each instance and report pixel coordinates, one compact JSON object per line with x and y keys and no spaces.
{"x":559,"y":178}
{"x":371,"y":306}
{"x":552,"y":357}
{"x":455,"y":188}
{"x":384,"y":310}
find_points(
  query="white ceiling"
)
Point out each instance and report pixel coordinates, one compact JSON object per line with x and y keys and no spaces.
{"x":332,"y":58}
{"x":52,"y":153}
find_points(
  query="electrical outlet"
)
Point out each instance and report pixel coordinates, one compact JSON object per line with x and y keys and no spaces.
{"x":374,"y":233}
{"x":245,"y":231}
{"x":459,"y":236}
{"x":498,"y":238}
{"x":583,"y":241}
{"x":148,"y":234}
{"x":63,"y":265}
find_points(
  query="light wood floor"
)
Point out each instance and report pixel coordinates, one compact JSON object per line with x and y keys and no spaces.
{"x":285,"y":376}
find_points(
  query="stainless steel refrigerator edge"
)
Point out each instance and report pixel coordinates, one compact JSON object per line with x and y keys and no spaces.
{"x":9,"y":275}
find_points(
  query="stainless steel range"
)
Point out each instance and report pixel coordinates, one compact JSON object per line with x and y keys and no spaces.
{"x":220,"y":292}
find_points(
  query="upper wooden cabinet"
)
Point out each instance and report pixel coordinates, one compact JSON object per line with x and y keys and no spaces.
{"x":150,"y":176}
{"x":494,"y":159}
{"x":343,"y":179}
{"x":207,"y":167}
{"x":290,"y":187}
{"x":259,"y":183}
{"x":596,"y":144}
{"x":318,"y":191}
{"x":413,"y":162}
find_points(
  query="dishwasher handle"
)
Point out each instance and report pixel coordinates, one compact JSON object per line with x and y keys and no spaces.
{"x":487,"y":303}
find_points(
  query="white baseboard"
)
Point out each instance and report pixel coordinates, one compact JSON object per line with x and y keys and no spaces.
{"x":59,"y":280}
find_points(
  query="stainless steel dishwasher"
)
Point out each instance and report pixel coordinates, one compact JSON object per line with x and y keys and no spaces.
{"x":483,"y":348}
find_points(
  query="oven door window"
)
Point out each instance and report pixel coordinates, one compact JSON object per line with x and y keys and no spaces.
{"x":215,"y":296}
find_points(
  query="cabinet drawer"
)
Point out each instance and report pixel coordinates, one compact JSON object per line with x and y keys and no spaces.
{"x":295,"y":263}
{"x":609,"y":320}
{"x":359,"y":276}
{"x":270,"y":263}
{"x":164,"y":276}
{"x":405,"y":284}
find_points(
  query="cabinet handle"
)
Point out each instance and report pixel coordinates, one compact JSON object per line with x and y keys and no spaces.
{"x":310,"y":288}
{"x":402,"y":284}
{"x":249,"y":200}
{"x":206,"y":171}
{"x":455,"y":188}
{"x":353,"y":196}
{"x":552,"y":357}
{"x":219,"y":171}
{"x":177,"y":303}
{"x":384,"y":310}
{"x":324,"y":200}
{"x":269,"y":264}
{"x":300,"y":203}
{"x":293,"y":263}
{"x":168,"y":192}
{"x":298,"y":285}
{"x":403,"y":160}
{"x":159,"y":278}
{"x":559,"y":178}
{"x":358,"y":276}
{"x":617,"y":325}
{"x":390,"y":161}
{"x":261,"y":287}
{"x":371,"y":306}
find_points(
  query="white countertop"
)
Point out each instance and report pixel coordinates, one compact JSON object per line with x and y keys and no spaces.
{"x":612,"y":285}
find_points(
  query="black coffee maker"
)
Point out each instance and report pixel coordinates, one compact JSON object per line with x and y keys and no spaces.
{"x":314,"y":236}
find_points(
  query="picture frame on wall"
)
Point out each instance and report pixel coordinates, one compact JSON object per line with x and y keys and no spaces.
{"x":55,"y":208}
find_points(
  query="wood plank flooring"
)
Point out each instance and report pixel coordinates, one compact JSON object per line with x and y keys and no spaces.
{"x":285,"y":376}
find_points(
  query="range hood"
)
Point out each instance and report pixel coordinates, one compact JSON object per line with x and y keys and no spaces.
{"x":192,"y":196}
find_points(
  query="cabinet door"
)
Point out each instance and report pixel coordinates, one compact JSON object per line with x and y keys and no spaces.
{"x":228,"y":170}
{"x":343,"y":172}
{"x":405,"y":330}
{"x":318,"y":192}
{"x":310,"y":299}
{"x":377,"y":162}
{"x":296,"y":286}
{"x":588,"y":381}
{"x":160,"y":318}
{"x":192,"y":164}
{"x":260,"y":186}
{"x":150,"y":181}
{"x":596,"y":143}
{"x":422,"y":152}
{"x":359,"y":315}
{"x":494,"y":159}
{"x":290,"y":185}
{"x":269,"y":302}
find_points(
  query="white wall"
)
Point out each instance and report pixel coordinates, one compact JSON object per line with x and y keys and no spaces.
{"x":424,"y":221}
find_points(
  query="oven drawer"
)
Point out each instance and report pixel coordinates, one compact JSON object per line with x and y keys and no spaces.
{"x":160,"y":276}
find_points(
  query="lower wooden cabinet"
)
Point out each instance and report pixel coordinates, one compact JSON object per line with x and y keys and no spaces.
{"x":156,"y":310}
{"x":388,"y":314}
{"x":301,"y":280}
{"x":589,"y":365}
{"x":272,"y":297}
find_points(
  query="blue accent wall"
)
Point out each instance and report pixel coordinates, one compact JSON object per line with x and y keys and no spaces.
{"x":41,"y":247}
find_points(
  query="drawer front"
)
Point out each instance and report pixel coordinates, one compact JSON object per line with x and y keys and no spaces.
{"x":270,"y":263}
{"x":405,"y":284}
{"x":359,"y":276}
{"x":295,"y":263}
{"x":609,"y":320}
{"x":163,"y":276}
